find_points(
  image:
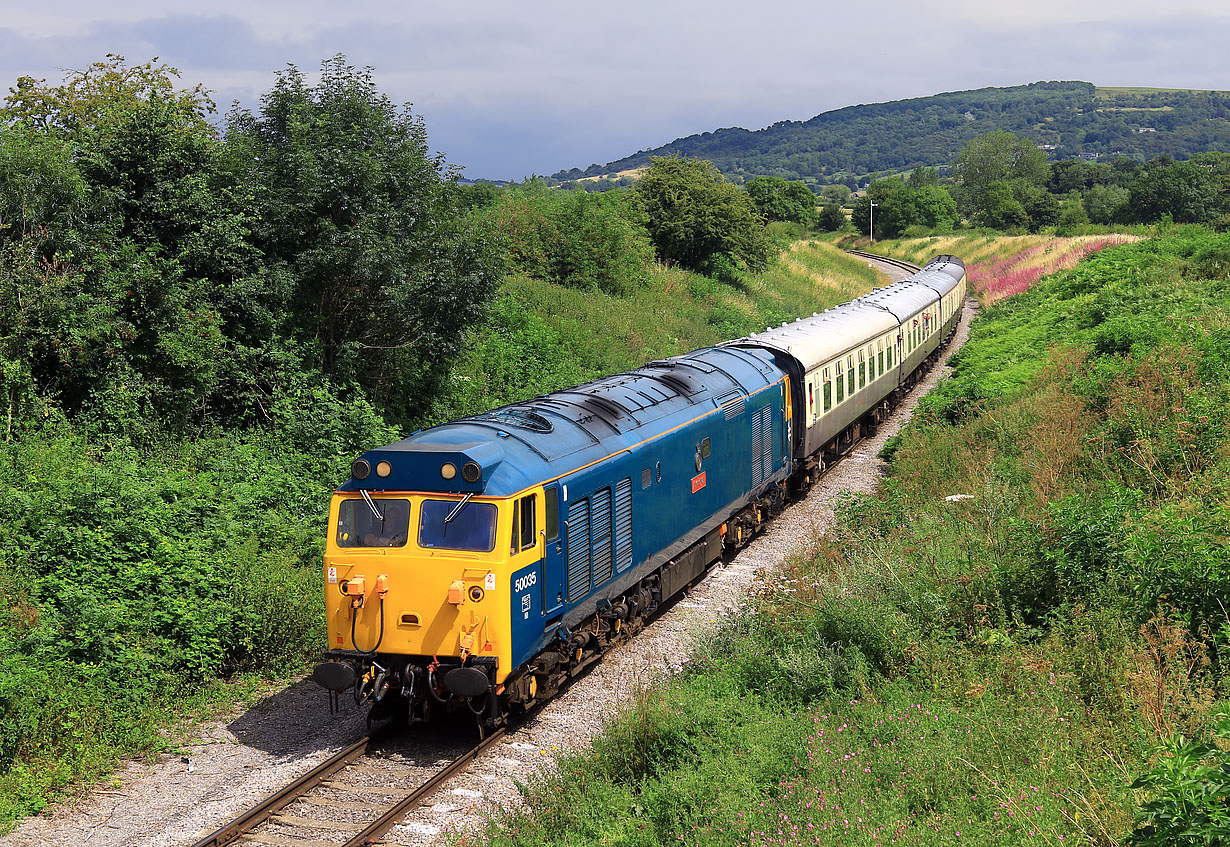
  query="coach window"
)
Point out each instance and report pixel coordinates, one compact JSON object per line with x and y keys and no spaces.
{"x":828,"y":390}
{"x":811,"y":397}
{"x":850,"y":375}
{"x":862,"y":369}
{"x":880,"y":355}
{"x":841,"y":382}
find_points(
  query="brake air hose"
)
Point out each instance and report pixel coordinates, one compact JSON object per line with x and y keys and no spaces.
{"x":354,"y":617}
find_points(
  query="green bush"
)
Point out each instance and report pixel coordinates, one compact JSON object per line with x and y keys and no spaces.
{"x":1189,"y":790}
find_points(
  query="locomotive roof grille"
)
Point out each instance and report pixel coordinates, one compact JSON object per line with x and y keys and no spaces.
{"x":521,"y":418}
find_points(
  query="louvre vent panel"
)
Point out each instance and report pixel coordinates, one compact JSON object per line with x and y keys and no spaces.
{"x":757,"y":440}
{"x":623,"y":524}
{"x":735,"y":409}
{"x":766,"y":446}
{"x":600,"y":527}
{"x":578,"y":549}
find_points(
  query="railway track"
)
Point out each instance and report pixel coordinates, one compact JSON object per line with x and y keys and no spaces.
{"x":326,"y":787}
{"x":897,"y":263}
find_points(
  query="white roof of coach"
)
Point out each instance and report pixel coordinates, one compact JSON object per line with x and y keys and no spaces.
{"x":823,"y":336}
{"x":903,"y":298}
{"x":942,"y":273}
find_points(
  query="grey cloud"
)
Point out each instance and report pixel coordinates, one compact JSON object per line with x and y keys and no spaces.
{"x":511,"y":89}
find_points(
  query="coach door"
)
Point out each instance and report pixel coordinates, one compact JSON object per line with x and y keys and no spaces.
{"x":553,"y":560}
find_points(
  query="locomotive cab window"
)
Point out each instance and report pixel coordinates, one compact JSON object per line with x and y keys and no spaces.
{"x":457,"y":525}
{"x":523,"y":524}
{"x":361,"y":525}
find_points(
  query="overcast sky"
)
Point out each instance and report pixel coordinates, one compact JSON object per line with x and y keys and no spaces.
{"x":509,"y":89}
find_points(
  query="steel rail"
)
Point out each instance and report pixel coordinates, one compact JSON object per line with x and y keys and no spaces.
{"x":283,"y":797}
{"x":908,"y":266}
{"x":373,"y":831}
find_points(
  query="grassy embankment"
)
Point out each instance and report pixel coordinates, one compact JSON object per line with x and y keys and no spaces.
{"x":135,"y":581}
{"x":543,"y":336}
{"x":990,"y":669}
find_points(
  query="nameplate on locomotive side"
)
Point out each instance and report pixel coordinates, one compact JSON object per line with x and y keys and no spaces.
{"x":698,"y":482}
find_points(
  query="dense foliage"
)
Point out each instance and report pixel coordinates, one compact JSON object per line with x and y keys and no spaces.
{"x":197,"y":332}
{"x":588,"y":241}
{"x":1004,"y":183}
{"x":781,"y":200}
{"x":696,"y":217}
{"x":1074,"y":118}
{"x":155,"y":277}
{"x":919,"y":201}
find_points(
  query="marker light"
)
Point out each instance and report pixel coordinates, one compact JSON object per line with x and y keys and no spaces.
{"x":383,"y":469}
{"x":360,"y":468}
{"x":448,"y":470}
{"x":471,"y":472}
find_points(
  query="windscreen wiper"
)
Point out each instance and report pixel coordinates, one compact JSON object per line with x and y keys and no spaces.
{"x":457,"y":509}
{"x":367,"y":498}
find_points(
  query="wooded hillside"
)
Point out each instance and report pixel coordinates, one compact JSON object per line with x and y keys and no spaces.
{"x":1073,"y":117}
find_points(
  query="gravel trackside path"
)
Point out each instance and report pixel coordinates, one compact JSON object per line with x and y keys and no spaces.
{"x":176,"y":799}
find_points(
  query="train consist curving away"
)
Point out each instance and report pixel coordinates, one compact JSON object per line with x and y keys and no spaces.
{"x":481,"y":563}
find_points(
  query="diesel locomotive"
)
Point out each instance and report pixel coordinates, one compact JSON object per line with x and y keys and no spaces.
{"x":482,"y":563}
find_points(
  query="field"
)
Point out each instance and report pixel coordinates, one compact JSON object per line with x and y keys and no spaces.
{"x":1000,"y":266}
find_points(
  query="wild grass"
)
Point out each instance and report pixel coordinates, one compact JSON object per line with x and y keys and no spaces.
{"x":542,"y":337}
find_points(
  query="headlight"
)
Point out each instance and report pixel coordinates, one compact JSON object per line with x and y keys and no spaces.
{"x":383,"y":469}
{"x":360,"y":468}
{"x":471,"y":472}
{"x":448,"y":470}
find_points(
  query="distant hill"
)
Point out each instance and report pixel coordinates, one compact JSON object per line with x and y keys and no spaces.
{"x":1071,"y":118}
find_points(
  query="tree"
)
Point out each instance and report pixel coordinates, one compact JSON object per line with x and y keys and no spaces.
{"x":991,"y":159}
{"x":134,"y":239}
{"x":386,"y":273}
{"x":1186,"y":191}
{"x":575,"y":238}
{"x":1106,"y":204}
{"x":1000,"y":209}
{"x":91,"y":99}
{"x":832,"y":218}
{"x":838,"y":193}
{"x":779,"y":200}
{"x":900,"y":206}
{"x":694,"y":215}
{"x":1072,"y":210}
